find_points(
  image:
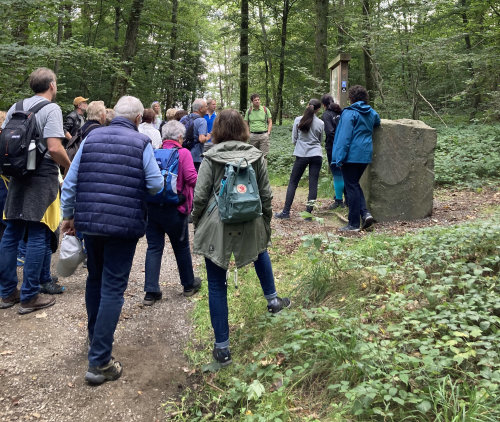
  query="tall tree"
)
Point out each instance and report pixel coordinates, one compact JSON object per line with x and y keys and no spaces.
{"x":244,"y":56}
{"x":171,"y":98}
{"x":320,"y":67}
{"x":367,"y":53}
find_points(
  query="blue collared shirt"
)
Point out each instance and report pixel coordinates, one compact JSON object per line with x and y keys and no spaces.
{"x":210,"y":121}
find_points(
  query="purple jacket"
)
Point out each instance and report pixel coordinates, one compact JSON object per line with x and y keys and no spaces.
{"x":186,"y":179}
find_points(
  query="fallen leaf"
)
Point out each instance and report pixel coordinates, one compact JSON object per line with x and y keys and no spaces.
{"x":42,"y":315}
{"x":280,"y":358}
{"x":276,"y":384}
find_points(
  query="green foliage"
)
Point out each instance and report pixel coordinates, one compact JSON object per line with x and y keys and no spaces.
{"x":468,"y":155}
{"x":389,"y":329}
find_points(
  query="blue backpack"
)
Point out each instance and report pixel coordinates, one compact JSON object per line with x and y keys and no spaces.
{"x":168,"y":162}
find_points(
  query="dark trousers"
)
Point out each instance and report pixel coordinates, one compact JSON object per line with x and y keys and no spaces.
{"x":109,"y":261}
{"x":298,"y":169}
{"x":352,"y":172}
{"x":167,"y":220}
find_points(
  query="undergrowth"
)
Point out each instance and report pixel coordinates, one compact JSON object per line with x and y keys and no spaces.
{"x":381,"y":328}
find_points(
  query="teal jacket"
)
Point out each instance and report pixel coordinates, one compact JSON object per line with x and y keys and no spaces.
{"x":214,"y":239}
{"x":353,"y":138}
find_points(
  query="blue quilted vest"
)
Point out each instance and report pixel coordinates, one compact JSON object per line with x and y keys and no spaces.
{"x":111,"y":188}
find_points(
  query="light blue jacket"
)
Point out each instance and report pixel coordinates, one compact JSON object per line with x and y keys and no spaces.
{"x":353,"y":138}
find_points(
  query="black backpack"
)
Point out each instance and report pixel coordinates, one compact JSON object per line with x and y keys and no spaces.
{"x":189,"y":141}
{"x":21,"y":146}
{"x":75,"y":142}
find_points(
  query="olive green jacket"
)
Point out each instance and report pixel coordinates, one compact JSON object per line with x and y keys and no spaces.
{"x":214,"y":239}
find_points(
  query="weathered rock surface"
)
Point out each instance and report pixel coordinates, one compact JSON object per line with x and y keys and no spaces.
{"x":399,"y":183}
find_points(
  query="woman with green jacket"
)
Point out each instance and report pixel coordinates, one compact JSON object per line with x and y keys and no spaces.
{"x":217,"y":241}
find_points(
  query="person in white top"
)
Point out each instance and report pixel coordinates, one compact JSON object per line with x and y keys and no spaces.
{"x":148,"y":128}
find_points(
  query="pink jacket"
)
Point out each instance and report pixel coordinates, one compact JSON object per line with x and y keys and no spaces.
{"x":186,"y":179}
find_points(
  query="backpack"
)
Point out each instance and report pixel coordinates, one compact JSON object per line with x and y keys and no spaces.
{"x":21,"y":146}
{"x":189,"y":141}
{"x":168,"y":162}
{"x":238,"y":199}
{"x":75,"y":142}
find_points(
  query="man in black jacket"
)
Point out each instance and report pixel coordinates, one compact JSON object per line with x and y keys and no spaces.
{"x":75,"y":119}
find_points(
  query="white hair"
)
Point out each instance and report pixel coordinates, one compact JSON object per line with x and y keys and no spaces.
{"x":173,"y":130}
{"x":128,"y":107}
{"x":95,"y":110}
{"x":198,"y":103}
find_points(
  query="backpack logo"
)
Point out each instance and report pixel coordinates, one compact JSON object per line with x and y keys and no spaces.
{"x":238,"y":198}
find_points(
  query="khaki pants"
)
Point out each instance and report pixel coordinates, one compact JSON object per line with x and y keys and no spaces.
{"x":260,"y":141}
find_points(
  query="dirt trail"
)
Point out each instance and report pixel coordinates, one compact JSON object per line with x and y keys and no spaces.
{"x":43,"y":355}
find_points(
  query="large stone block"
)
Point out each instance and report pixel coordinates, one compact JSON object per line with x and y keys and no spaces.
{"x":399,"y":183}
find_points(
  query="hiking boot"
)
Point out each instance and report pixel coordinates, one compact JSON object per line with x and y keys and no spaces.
{"x":51,"y":288}
{"x":35,"y":303}
{"x":277,"y":304}
{"x":223,"y":356}
{"x":193,"y":290}
{"x":282,"y":215}
{"x":11,"y":300}
{"x":151,"y":297}
{"x":337,"y":204}
{"x":111,"y":371}
{"x":349,"y":228}
{"x":367,"y":221}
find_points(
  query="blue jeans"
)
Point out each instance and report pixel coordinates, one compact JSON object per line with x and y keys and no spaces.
{"x":217,"y":294}
{"x":352,"y":172}
{"x":109,"y":261}
{"x":165,"y":219}
{"x":38,"y":238}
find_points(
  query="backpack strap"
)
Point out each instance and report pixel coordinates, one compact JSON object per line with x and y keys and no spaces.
{"x":37,"y":107}
{"x":92,"y":126}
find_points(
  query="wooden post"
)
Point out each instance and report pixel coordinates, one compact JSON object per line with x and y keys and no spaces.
{"x":339,"y":72}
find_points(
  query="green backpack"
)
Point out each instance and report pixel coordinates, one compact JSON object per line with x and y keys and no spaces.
{"x":238,"y":199}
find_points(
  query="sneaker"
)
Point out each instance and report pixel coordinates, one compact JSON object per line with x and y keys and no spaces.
{"x":51,"y":288}
{"x":193,"y":290}
{"x":20,"y":261}
{"x":223,"y":356}
{"x":337,"y":204}
{"x":36,"y":303}
{"x":349,"y":228}
{"x":278,"y":304}
{"x":282,"y":215}
{"x":367,"y":221}
{"x":11,"y":300}
{"x":151,"y":297}
{"x":96,"y":375}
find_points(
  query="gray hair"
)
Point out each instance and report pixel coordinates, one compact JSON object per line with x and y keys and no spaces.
{"x":173,"y":130}
{"x":198,"y":103}
{"x":128,"y":107}
{"x":95,"y":110}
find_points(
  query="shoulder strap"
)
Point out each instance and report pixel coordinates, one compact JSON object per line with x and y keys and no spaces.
{"x":37,"y":107}
{"x":19,"y":106}
{"x":93,"y":125}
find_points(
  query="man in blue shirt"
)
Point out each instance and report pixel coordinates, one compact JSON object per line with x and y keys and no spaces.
{"x":210,"y":117}
{"x":103,"y":198}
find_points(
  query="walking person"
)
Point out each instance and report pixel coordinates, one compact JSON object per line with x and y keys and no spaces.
{"x":331,"y":117}
{"x":218,"y":241}
{"x":172,"y":219}
{"x":103,"y":197}
{"x":307,"y":134}
{"x":352,"y":152}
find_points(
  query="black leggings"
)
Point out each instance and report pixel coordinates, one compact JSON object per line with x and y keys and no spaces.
{"x":298,"y":169}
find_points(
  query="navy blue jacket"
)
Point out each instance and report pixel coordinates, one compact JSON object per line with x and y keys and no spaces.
{"x":111,"y":185}
{"x":353,"y":137}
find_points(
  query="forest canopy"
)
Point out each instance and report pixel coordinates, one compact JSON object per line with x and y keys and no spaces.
{"x":416,"y":58}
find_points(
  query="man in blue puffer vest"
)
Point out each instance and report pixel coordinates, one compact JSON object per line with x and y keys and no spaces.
{"x":103,"y":197}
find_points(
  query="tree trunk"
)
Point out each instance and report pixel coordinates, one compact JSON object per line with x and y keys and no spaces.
{"x":279,"y":95}
{"x":367,"y":53}
{"x":244,"y":56}
{"x":170,"y":102}
{"x":60,"y":28}
{"x":129,"y":48}
{"x":67,"y":23}
{"x":116,"y":38}
{"x":320,"y":68}
{"x":476,"y":94}
{"x":341,"y":31}
{"x":268,"y":59}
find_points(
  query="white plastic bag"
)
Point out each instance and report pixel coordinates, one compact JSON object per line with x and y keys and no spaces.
{"x":70,"y":255}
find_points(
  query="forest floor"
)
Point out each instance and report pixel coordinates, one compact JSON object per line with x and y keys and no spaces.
{"x":43,"y":355}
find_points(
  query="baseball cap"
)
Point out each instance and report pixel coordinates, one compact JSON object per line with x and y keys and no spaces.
{"x":79,"y":100}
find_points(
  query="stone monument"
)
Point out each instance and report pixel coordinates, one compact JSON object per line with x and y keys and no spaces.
{"x":399,"y":183}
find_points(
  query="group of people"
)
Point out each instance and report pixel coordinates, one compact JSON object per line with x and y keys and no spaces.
{"x":349,"y":148}
{"x":103,"y":199}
